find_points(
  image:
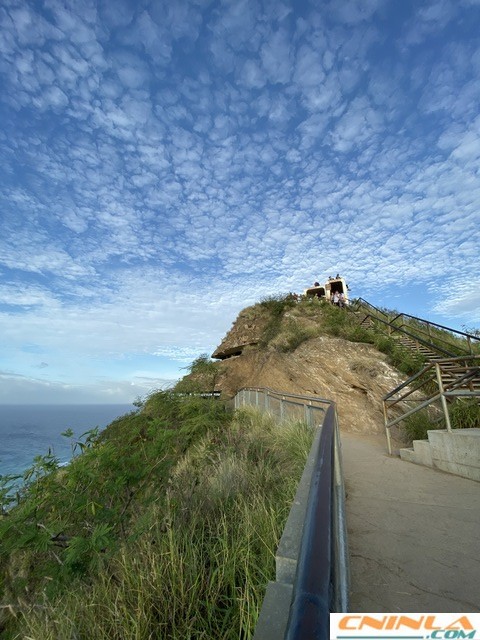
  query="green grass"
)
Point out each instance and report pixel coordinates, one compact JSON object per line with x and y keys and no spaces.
{"x":418,"y":424}
{"x":275,"y":307}
{"x":164,"y":527}
{"x":465,"y":413}
{"x":312,"y":317}
{"x":444,"y":339}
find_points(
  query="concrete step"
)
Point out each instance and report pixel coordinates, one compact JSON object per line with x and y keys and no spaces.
{"x":420,"y":453}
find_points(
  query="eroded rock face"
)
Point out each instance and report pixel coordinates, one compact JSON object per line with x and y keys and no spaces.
{"x":246,"y":331}
{"x":354,"y":375}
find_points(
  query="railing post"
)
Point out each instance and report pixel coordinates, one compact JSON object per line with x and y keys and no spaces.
{"x":308,"y":414}
{"x":387,"y":428}
{"x":282,"y":409}
{"x":442,"y":396}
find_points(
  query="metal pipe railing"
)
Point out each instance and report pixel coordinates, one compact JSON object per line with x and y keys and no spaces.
{"x":462,"y":334}
{"x":321,"y":582}
{"x":441,"y":326}
{"x":433,"y":340}
{"x":412,"y":336}
{"x":469,"y":372}
{"x":313,"y":590}
{"x":361,"y":301}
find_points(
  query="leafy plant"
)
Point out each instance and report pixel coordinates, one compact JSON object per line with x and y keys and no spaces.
{"x":417,"y":425}
{"x":58,"y":519}
{"x":276,"y":307}
{"x":164,"y":527}
{"x":465,"y":413}
{"x":202,"y":377}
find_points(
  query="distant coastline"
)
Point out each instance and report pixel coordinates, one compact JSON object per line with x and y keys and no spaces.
{"x":29,"y":430}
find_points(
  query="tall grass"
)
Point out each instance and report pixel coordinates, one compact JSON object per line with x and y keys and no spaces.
{"x":276,"y":307}
{"x":417,"y":425}
{"x":465,"y":413}
{"x":198,"y":548}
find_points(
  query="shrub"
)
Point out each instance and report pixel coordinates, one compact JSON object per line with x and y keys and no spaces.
{"x":195,"y":561}
{"x":417,"y":425}
{"x":294,"y":335}
{"x":385,"y":344}
{"x":202,"y":376}
{"x":465,"y":414}
{"x":66,"y":521}
{"x":276,"y":307}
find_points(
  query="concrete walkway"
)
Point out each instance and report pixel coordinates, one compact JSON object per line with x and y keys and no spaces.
{"x":414,"y":533}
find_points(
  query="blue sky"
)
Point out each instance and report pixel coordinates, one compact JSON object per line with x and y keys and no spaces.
{"x":165,"y":164}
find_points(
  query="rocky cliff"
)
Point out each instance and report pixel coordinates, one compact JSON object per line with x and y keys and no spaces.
{"x":353,"y":374}
{"x":246,"y":331}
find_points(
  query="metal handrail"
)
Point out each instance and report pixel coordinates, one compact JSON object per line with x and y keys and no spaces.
{"x":369,"y":304}
{"x":431,"y":338}
{"x":445,"y":391}
{"x":321,"y":582}
{"x":469,"y":337}
{"x":425,"y":343}
{"x":438,"y":326}
{"x":312,"y":597}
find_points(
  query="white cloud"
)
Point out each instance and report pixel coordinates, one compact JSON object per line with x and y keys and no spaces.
{"x":166,"y":165}
{"x":276,"y":55}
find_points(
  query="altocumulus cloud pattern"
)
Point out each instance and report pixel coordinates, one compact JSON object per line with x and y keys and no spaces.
{"x":166,"y":163}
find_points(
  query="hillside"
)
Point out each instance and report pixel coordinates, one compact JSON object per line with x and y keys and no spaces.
{"x":308,"y":348}
{"x":158,"y":508}
{"x":353,"y":375}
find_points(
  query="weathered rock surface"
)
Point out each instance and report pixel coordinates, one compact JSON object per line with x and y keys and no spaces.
{"x":246,"y":331}
{"x":354,"y":375}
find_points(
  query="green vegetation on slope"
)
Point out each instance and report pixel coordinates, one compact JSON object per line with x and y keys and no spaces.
{"x":165,"y":526}
{"x":202,"y":376}
{"x":291,"y":323}
{"x":464,"y":413}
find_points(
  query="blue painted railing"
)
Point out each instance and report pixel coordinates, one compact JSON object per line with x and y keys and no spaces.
{"x":320,"y":584}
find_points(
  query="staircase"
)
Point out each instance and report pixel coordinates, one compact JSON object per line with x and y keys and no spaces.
{"x":460,"y":374}
{"x":427,"y":352}
{"x":457,"y":374}
{"x":451,"y":371}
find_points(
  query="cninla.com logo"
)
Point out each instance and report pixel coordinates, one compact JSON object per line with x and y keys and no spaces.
{"x":406,"y":626}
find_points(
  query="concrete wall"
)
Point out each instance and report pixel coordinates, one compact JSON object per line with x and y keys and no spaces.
{"x":457,"y":452}
{"x":275,"y":610}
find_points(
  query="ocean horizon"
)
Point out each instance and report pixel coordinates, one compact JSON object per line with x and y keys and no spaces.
{"x":30,"y":430}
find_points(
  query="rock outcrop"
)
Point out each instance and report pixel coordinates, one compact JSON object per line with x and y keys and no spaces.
{"x":246,"y":331}
{"x":355,"y":375}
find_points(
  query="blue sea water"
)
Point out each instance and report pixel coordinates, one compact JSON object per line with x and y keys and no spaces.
{"x":30,"y":430}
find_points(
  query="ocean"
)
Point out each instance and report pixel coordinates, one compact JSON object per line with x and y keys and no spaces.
{"x":30,"y":430}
